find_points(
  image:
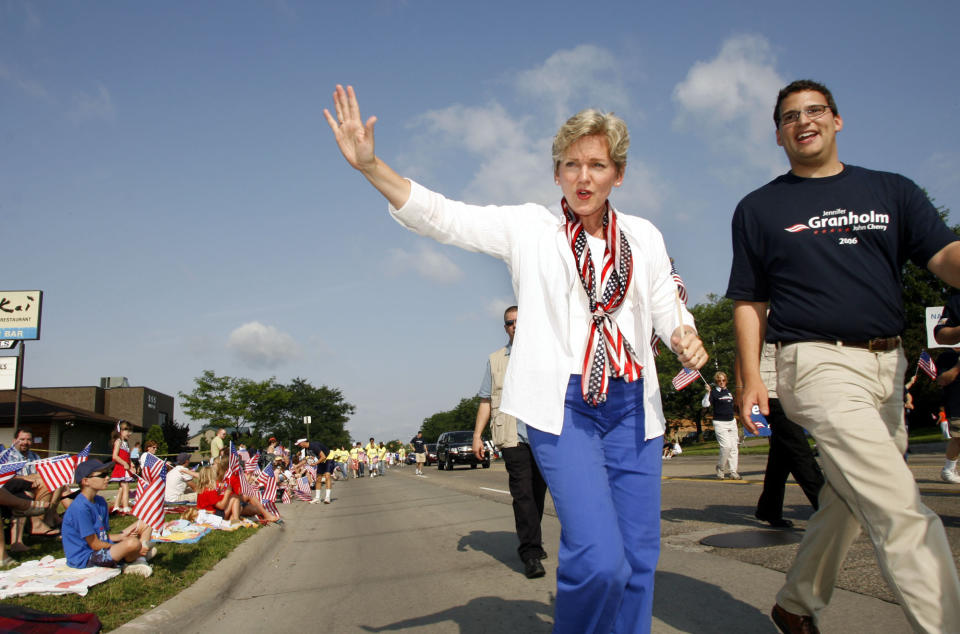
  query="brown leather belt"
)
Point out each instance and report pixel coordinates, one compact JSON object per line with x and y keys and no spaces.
{"x":879,"y":344}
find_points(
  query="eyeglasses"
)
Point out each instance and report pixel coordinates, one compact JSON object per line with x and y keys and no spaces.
{"x":509,"y":322}
{"x":812,"y":112}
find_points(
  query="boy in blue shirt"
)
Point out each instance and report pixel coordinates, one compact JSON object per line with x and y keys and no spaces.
{"x":87,"y":543}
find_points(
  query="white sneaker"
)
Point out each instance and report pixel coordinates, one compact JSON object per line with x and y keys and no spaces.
{"x":949,"y":475}
{"x":313,"y":501}
{"x":719,"y":473}
{"x":151,"y":553}
{"x":138,"y":567}
{"x":735,"y":476}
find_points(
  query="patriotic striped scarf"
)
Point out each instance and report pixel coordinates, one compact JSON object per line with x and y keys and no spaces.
{"x":608,"y":353}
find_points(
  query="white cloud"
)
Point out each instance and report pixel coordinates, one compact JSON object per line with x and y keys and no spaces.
{"x":568,"y":76}
{"x":427,"y":261}
{"x":98,"y":105}
{"x":28,"y":86}
{"x":262,"y":347}
{"x":498,"y":305}
{"x":514,"y":147}
{"x":729,"y":99}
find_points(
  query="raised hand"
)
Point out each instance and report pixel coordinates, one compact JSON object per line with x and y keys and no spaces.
{"x":353,"y":136}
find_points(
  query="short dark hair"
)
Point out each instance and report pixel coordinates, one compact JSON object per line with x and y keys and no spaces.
{"x":507,"y":311}
{"x":801,"y":85}
{"x":23,"y":430}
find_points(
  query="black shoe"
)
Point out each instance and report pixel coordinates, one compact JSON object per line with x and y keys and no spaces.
{"x":533,"y":568}
{"x":776,"y":523}
{"x":542,"y":555}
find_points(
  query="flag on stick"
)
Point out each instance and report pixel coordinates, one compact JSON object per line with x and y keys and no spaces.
{"x":150,"y":489}
{"x":268,"y":480}
{"x":9,"y":469}
{"x":303,"y":489}
{"x":253,"y":463}
{"x":926,"y":364}
{"x":57,"y":472}
{"x":684,"y":378}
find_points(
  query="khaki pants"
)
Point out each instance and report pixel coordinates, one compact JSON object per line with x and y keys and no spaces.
{"x":850,"y":400}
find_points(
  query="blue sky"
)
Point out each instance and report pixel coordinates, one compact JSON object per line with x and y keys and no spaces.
{"x":168,"y":180}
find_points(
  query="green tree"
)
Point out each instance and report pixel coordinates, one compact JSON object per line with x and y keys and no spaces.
{"x":175,"y":435}
{"x":460,"y":418}
{"x":921,"y":288}
{"x":269,"y":408}
{"x":714,"y":320}
{"x":156,"y":433}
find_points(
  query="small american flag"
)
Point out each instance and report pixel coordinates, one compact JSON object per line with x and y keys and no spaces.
{"x":268,"y":480}
{"x":233,"y":467}
{"x":247,"y":488}
{"x":285,"y":498}
{"x":150,"y":489}
{"x":684,"y":378}
{"x":5,"y":456}
{"x":681,"y":287}
{"x":303,"y":489}
{"x":925,"y":363}
{"x":682,"y":293}
{"x":252,"y":465}
{"x":9,"y":469}
{"x":58,"y":472}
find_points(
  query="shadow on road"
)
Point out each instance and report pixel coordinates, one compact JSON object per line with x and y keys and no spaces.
{"x":501,"y":545}
{"x":681,"y":602}
{"x":483,"y":615}
{"x":731,"y":514}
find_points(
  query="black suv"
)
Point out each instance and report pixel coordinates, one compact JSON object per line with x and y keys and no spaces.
{"x":456,"y":447}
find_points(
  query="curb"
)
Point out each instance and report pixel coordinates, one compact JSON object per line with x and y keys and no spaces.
{"x":176,"y":613}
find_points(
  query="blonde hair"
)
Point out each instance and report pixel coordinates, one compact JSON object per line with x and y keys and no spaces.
{"x":207,"y":478}
{"x":591,"y":122}
{"x":719,"y":375}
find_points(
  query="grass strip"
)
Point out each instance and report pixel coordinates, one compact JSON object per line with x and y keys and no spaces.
{"x":126,"y":597}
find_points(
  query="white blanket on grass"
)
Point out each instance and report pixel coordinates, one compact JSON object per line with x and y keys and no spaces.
{"x":51,"y":576}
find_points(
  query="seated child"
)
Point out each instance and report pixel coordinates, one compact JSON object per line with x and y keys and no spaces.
{"x":87,"y":543}
{"x":250,"y":506}
{"x":209,"y":499}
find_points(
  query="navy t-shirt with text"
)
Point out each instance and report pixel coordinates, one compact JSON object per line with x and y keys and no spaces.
{"x":826,"y":253}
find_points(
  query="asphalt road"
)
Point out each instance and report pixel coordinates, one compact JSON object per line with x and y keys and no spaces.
{"x":438,"y":554}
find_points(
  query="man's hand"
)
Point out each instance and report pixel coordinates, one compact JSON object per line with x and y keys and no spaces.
{"x":752,"y":393}
{"x":478,"y":449}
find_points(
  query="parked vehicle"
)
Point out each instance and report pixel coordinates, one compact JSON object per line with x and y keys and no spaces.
{"x":431,"y":454}
{"x":456,"y":447}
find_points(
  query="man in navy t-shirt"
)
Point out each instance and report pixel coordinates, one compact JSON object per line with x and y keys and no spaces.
{"x":324,"y":467}
{"x":823,"y":246}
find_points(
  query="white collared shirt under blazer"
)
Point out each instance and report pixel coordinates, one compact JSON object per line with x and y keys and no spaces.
{"x":552,"y":333}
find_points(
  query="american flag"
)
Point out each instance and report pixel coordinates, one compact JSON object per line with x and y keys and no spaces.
{"x":682,"y":293}
{"x":681,"y":287}
{"x":150,"y":488}
{"x":684,"y":378}
{"x":244,"y":455}
{"x":247,"y":488}
{"x":285,"y":498}
{"x":9,"y":469}
{"x":268,"y":480}
{"x":312,"y":472}
{"x":5,"y":456}
{"x":253,"y":463}
{"x":233,"y":467}
{"x":925,"y":363}
{"x":303,"y":489}
{"x":58,"y":472}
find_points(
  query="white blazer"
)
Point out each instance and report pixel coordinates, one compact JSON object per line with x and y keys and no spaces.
{"x":550,"y":344}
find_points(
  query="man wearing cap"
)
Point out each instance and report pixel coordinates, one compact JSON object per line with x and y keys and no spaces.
{"x":86,"y":541}
{"x":179,"y":479}
{"x":324,"y":467}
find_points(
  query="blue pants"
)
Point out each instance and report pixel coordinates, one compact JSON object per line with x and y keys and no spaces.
{"x":605,"y":481}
